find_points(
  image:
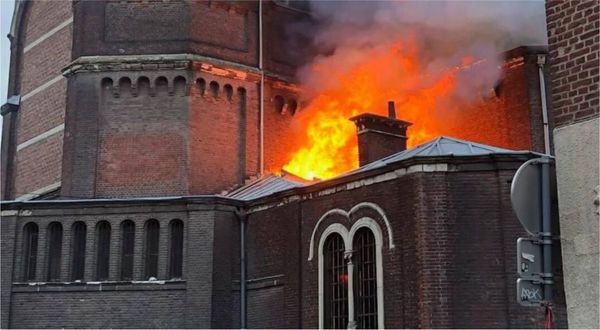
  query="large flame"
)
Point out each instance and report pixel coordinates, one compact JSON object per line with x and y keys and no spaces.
{"x":394,"y":73}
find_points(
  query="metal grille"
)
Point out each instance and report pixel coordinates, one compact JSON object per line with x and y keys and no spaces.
{"x":30,"y":243}
{"x":335,"y":284}
{"x":78,"y":261}
{"x":54,"y":250}
{"x":176,"y":249}
{"x":365,"y":279}
{"x":152,"y":235}
{"x":127,"y":245}
{"x":103,"y":246}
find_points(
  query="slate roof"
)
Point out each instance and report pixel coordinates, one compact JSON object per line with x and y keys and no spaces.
{"x":268,"y":185}
{"x":441,"y":146}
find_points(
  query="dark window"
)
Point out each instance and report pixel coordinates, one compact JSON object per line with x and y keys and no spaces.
{"x":335,"y":284}
{"x":127,"y":248}
{"x":103,"y":250}
{"x":176,"y":249}
{"x":151,"y":260}
{"x":365,"y":279}
{"x":79,"y":232}
{"x":54,"y":251}
{"x":30,"y":246}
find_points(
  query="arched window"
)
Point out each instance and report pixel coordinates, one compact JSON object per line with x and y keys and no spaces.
{"x":55,"y":232}
{"x":127,"y":249}
{"x":151,"y":253}
{"x":79,"y":232}
{"x":335,"y":281}
{"x":365,"y":279}
{"x":351,"y":273}
{"x":102,"y":250}
{"x":176,"y":249}
{"x":30,"y":246}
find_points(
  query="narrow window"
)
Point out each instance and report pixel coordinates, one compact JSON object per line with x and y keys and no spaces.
{"x":365,"y":279}
{"x":30,"y":245}
{"x":335,"y":284}
{"x":54,"y":251}
{"x":176,"y":249}
{"x":127,"y":248}
{"x":79,"y":232}
{"x":103,"y":250}
{"x":151,"y":255}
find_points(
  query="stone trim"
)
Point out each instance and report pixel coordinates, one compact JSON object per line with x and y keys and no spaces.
{"x":217,"y":67}
{"x":39,"y":192}
{"x":41,"y":137}
{"x":47,"y":35}
{"x":41,"y":87}
{"x":99,"y":286}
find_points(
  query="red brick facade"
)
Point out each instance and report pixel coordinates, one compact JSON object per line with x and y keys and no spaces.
{"x":574,"y":33}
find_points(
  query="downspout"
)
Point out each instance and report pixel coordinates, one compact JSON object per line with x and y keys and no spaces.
{"x":242,"y":217}
{"x":541,"y":60}
{"x":261,"y":90}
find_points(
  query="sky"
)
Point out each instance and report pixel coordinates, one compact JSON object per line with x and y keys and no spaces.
{"x":6,"y":11}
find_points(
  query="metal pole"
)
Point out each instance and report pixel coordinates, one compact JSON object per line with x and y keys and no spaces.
{"x":546,"y":230}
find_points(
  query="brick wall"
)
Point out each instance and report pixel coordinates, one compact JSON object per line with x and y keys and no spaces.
{"x":168,"y":303}
{"x":45,"y":48}
{"x":574,"y":38}
{"x":142,"y":138}
{"x":453,"y":264}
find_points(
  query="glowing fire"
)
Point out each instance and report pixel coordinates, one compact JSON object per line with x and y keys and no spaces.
{"x":330,"y":145}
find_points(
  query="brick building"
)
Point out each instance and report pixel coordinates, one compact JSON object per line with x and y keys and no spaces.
{"x":574,"y":42}
{"x":136,"y":151}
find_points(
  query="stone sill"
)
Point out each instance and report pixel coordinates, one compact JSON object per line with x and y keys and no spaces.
{"x":99,"y":286}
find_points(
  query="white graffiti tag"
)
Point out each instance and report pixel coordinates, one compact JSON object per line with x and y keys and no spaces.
{"x":530,"y":294}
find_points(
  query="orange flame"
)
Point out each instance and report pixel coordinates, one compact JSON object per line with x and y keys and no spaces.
{"x":330,"y":146}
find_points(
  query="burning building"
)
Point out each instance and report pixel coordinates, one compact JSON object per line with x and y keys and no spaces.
{"x":165,"y":167}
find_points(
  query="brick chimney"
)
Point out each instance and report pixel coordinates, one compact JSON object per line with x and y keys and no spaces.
{"x":379,"y":136}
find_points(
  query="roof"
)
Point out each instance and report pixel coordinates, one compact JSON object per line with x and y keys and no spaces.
{"x":441,"y":146}
{"x":268,"y":185}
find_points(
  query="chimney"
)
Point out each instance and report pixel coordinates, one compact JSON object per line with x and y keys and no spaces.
{"x":379,"y":136}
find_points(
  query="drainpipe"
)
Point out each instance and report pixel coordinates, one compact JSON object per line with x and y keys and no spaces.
{"x":262,"y":89}
{"x":541,"y":60}
{"x":242,"y":217}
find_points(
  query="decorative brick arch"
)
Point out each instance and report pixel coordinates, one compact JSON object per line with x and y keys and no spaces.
{"x":348,"y":215}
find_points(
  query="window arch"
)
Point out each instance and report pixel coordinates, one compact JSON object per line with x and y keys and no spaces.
{"x":78,"y":232}
{"x":30,"y":247}
{"x":127,"y":249}
{"x":102,"y":250}
{"x":55,"y":233}
{"x":151,"y":250}
{"x":176,"y":249}
{"x":335,"y":280}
